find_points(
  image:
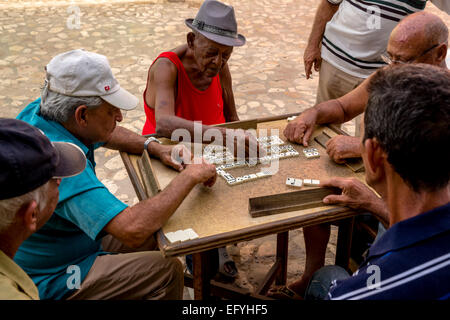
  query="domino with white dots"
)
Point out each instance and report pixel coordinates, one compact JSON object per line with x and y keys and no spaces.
{"x":311,"y":153}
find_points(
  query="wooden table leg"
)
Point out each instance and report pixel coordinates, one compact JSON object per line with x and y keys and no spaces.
{"x":282,"y":257}
{"x":344,"y":241}
{"x":204,"y":270}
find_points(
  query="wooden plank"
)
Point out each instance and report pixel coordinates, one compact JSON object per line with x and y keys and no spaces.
{"x":344,"y":241}
{"x":151,"y":185}
{"x":245,"y":124}
{"x":269,"y":278}
{"x":291,"y":201}
{"x":322,"y":139}
{"x":138,"y":188}
{"x":282,"y":256}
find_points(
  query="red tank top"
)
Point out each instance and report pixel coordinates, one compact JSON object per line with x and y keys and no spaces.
{"x":191,"y":103}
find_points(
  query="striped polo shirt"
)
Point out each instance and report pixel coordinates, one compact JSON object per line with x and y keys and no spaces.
{"x":410,"y":261}
{"x":358,"y":33}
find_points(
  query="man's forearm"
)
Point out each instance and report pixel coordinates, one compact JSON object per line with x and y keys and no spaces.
{"x":136,"y":224}
{"x":330,"y":111}
{"x":166,"y":125}
{"x":324,"y":13}
{"x":126,"y":140}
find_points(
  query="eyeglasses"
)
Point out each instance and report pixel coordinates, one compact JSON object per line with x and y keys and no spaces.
{"x":386,"y":58}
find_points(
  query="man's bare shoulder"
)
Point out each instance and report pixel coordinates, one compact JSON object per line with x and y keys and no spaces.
{"x":163,"y":67}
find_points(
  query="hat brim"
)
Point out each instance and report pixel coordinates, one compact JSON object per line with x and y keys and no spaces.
{"x":72,"y":160}
{"x":121,"y":99}
{"x":227,"y":41}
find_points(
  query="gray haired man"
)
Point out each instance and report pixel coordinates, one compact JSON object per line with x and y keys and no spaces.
{"x":32,"y":169}
{"x":71,"y":257}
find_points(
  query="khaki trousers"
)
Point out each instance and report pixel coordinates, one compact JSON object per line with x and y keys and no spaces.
{"x":132,"y":274}
{"x":333,"y":84}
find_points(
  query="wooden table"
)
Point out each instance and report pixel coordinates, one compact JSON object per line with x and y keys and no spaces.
{"x":219,"y":215}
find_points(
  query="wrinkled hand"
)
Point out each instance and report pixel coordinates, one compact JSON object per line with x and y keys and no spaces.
{"x":300,"y":129}
{"x":201,"y":171}
{"x":174,"y":156}
{"x":341,"y":147}
{"x":355,"y":194}
{"x":311,"y":58}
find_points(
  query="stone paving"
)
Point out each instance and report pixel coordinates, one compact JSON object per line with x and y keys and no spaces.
{"x":268,"y":73}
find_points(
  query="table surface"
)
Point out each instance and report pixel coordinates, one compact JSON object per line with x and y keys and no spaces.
{"x":219,"y":215}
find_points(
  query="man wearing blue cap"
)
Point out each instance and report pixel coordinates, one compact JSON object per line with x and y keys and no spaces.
{"x":89,"y":248}
{"x":32,"y":169}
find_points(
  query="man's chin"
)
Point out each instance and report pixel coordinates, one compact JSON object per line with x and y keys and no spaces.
{"x":211,"y":73}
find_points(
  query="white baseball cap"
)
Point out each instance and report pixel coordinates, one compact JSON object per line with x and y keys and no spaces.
{"x":80,"y":73}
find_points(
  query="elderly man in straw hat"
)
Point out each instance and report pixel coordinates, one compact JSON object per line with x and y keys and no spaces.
{"x":193,"y":83}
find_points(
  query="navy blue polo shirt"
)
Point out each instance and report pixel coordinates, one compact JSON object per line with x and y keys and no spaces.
{"x":410,"y":261}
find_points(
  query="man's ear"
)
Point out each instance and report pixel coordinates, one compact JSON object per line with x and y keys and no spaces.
{"x":190,"y":39}
{"x":81,"y":114}
{"x":441,"y":53}
{"x":375,"y":157}
{"x":28,"y":214}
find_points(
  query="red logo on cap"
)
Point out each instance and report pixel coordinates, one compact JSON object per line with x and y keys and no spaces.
{"x":107,"y":88}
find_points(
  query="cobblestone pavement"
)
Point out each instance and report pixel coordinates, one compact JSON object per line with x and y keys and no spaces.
{"x":268,"y":74}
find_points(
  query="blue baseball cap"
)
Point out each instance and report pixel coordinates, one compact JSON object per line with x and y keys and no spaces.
{"x":28,"y":159}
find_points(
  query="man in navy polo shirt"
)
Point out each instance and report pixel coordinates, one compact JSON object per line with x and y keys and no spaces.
{"x":405,"y":153}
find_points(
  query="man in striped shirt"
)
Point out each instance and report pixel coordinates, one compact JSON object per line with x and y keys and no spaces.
{"x":406,"y":159}
{"x":348,"y":37}
{"x":420,"y":38}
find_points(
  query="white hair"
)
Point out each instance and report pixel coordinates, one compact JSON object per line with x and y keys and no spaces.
{"x":60,"y":108}
{"x":10,"y":207}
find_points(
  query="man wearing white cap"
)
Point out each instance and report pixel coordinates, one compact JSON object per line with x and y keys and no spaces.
{"x":75,"y":255}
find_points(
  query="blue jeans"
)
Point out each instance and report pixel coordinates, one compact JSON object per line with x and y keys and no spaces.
{"x":321,"y":281}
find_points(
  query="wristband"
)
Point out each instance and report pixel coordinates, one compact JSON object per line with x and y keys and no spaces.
{"x":151,"y":139}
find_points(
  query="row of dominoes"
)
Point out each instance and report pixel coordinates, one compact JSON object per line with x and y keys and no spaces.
{"x":311,"y":153}
{"x":277,"y":156}
{"x":279,"y":149}
{"x":266,"y":159}
{"x":181,"y":235}
{"x":233,"y":165}
{"x":270,"y":139}
{"x":299,"y":182}
{"x":231,"y":180}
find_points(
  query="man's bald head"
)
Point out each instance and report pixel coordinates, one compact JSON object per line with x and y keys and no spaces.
{"x":416,"y":34}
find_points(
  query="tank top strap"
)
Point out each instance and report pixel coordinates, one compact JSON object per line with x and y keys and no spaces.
{"x":172,"y":56}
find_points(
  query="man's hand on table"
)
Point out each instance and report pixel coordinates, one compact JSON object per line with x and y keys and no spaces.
{"x":356,"y":195}
{"x":342,"y":147}
{"x":174,"y":156}
{"x":201,"y":171}
{"x":300,"y":129}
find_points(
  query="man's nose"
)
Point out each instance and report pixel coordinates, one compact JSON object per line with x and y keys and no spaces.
{"x":119,"y":116}
{"x":218,"y":60}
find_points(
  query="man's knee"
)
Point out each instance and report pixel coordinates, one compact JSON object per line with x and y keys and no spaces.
{"x":321,"y":281}
{"x":171,"y":279}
